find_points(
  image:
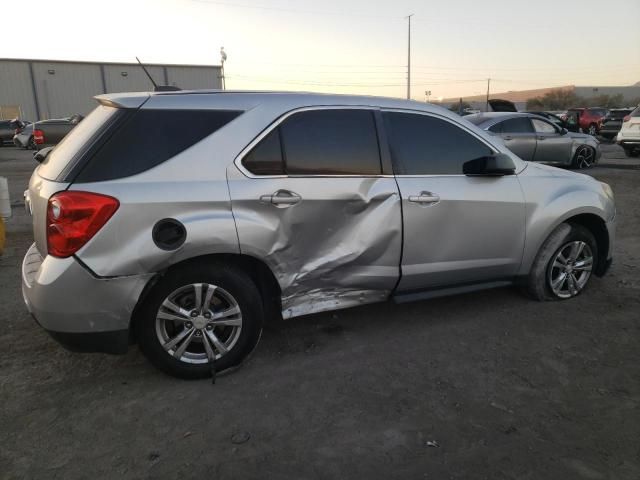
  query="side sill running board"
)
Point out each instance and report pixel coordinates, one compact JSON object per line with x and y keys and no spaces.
{"x":443,"y":292}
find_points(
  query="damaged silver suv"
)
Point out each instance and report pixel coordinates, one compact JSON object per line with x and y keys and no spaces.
{"x":183,"y":221}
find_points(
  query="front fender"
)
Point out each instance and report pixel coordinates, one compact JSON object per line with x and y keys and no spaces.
{"x":555,"y":198}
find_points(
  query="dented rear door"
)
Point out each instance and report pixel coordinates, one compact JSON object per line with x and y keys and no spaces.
{"x":309,"y":198}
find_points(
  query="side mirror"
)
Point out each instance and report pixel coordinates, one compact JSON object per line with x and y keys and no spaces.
{"x":496,"y":165}
{"x":41,"y":155}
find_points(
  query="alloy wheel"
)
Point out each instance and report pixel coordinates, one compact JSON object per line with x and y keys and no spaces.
{"x":570,"y":269}
{"x":198,"y":323}
{"x":584,"y":157}
{"x":592,"y":130}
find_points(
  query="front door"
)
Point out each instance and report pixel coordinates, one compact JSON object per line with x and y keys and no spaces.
{"x":553,"y":146}
{"x":457,"y":229}
{"x":309,"y":199}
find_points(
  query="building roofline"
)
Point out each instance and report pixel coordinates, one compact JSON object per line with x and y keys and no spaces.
{"x":88,"y":62}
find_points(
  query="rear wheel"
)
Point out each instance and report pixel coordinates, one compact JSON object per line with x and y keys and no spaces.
{"x":630,"y":152}
{"x":198,"y":315}
{"x":593,"y":129}
{"x":584,"y":157}
{"x":564,"y":264}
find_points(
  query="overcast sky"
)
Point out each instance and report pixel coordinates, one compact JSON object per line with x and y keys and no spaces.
{"x":348,"y":46}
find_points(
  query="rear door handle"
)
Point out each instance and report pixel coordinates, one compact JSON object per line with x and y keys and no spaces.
{"x":424,"y":198}
{"x":507,"y":138}
{"x":283,"y":198}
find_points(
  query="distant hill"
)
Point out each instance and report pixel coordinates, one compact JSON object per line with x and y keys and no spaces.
{"x":513,"y":96}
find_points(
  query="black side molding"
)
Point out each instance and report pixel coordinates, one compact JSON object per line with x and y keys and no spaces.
{"x":446,"y":291}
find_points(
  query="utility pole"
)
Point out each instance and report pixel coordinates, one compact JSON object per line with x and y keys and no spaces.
{"x":409,"y":59}
{"x":427,"y":94}
{"x":223,"y":58}
{"x":487,"y":105}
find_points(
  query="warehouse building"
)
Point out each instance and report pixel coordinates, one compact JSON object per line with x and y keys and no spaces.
{"x":41,"y":89}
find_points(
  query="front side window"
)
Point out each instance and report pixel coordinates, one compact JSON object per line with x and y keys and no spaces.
{"x":425,"y":145}
{"x":319,"y":142}
{"x":517,"y":125}
{"x":542,"y":127}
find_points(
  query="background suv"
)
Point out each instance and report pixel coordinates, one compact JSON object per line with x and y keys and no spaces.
{"x":277,"y":205}
{"x":589,"y":119}
{"x":629,"y":135}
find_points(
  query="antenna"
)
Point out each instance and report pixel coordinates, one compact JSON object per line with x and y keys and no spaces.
{"x":155,"y":85}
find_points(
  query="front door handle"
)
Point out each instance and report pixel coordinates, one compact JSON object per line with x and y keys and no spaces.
{"x":508,"y":137}
{"x":424,"y":198}
{"x":282,"y":198}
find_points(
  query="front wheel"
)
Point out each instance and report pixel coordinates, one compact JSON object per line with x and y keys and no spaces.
{"x":197,"y":315}
{"x":585,"y":157}
{"x":564,"y":264}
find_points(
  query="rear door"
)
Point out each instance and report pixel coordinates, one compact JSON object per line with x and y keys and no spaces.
{"x":552,"y":145}
{"x":310,"y":199}
{"x":518,"y":135}
{"x":457,"y":229}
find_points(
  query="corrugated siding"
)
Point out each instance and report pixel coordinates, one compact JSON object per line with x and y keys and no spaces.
{"x":15,"y":88}
{"x":135,"y":79}
{"x":68,"y":90}
{"x":193,"y":78}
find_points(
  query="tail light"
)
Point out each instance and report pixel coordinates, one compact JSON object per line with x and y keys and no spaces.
{"x":38,"y":137}
{"x":73,"y":218}
{"x":626,"y":118}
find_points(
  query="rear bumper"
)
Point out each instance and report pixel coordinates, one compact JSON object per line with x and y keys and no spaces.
{"x":81,"y":311}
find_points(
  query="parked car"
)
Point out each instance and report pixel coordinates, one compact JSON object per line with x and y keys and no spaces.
{"x":48,"y":133}
{"x":536,"y":139}
{"x":551,"y":117}
{"x":24,"y":138}
{"x":629,"y":135}
{"x":277,"y":205}
{"x":589,"y":119}
{"x":8,"y":128}
{"x":612,"y":122}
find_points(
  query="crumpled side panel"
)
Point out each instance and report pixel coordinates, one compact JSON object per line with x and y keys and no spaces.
{"x":338,"y":247}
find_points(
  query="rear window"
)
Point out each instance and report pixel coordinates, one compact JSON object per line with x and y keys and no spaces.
{"x":74,"y":142}
{"x":148,"y":138}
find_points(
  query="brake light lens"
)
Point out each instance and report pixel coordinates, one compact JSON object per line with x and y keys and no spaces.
{"x":626,"y":118}
{"x":73,"y":218}
{"x":38,"y":137}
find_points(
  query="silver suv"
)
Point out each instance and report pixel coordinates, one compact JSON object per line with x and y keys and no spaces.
{"x":185,"y":220}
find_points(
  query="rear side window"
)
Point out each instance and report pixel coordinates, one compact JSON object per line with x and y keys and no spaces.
{"x":148,"y":138}
{"x":319,"y":142}
{"x":543,"y":127}
{"x":331,"y":142}
{"x":425,"y":145}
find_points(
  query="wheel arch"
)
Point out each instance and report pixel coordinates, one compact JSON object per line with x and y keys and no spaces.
{"x":598,"y":228}
{"x":257,"y":270}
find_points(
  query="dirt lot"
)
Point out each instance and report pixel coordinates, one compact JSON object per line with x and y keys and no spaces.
{"x":488,"y":385}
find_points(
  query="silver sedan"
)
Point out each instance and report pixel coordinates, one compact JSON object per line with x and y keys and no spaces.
{"x":536,"y":139}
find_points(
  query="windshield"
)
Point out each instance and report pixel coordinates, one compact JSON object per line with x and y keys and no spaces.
{"x":73,"y":142}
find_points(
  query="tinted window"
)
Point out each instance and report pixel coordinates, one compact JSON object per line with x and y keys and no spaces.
{"x":517,"y":125}
{"x":147,"y":138}
{"x":266,"y":157}
{"x":636,"y":112}
{"x":424,"y":145}
{"x":331,"y":142}
{"x":542,"y":127}
{"x":496,"y":127}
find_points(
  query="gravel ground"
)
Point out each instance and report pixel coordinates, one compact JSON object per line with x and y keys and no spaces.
{"x":488,"y":385}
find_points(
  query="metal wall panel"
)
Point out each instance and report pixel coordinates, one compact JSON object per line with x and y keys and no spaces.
{"x":131,"y":78}
{"x":16,"y":89}
{"x":193,"y":78}
{"x":64,"y":89}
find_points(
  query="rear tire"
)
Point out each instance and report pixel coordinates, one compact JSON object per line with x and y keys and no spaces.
{"x":233,"y":289}
{"x":632,"y":153}
{"x":548,"y":268}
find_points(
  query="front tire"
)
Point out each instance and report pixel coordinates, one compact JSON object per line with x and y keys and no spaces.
{"x":199,"y":313}
{"x":585,"y":157}
{"x":564,"y":265}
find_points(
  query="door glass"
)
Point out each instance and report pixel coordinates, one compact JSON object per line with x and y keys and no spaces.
{"x":517,"y":125}
{"x":542,"y":126}
{"x":425,"y":145}
{"x":331,"y":142}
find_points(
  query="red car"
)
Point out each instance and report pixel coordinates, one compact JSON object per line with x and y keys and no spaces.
{"x":589,"y":119}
